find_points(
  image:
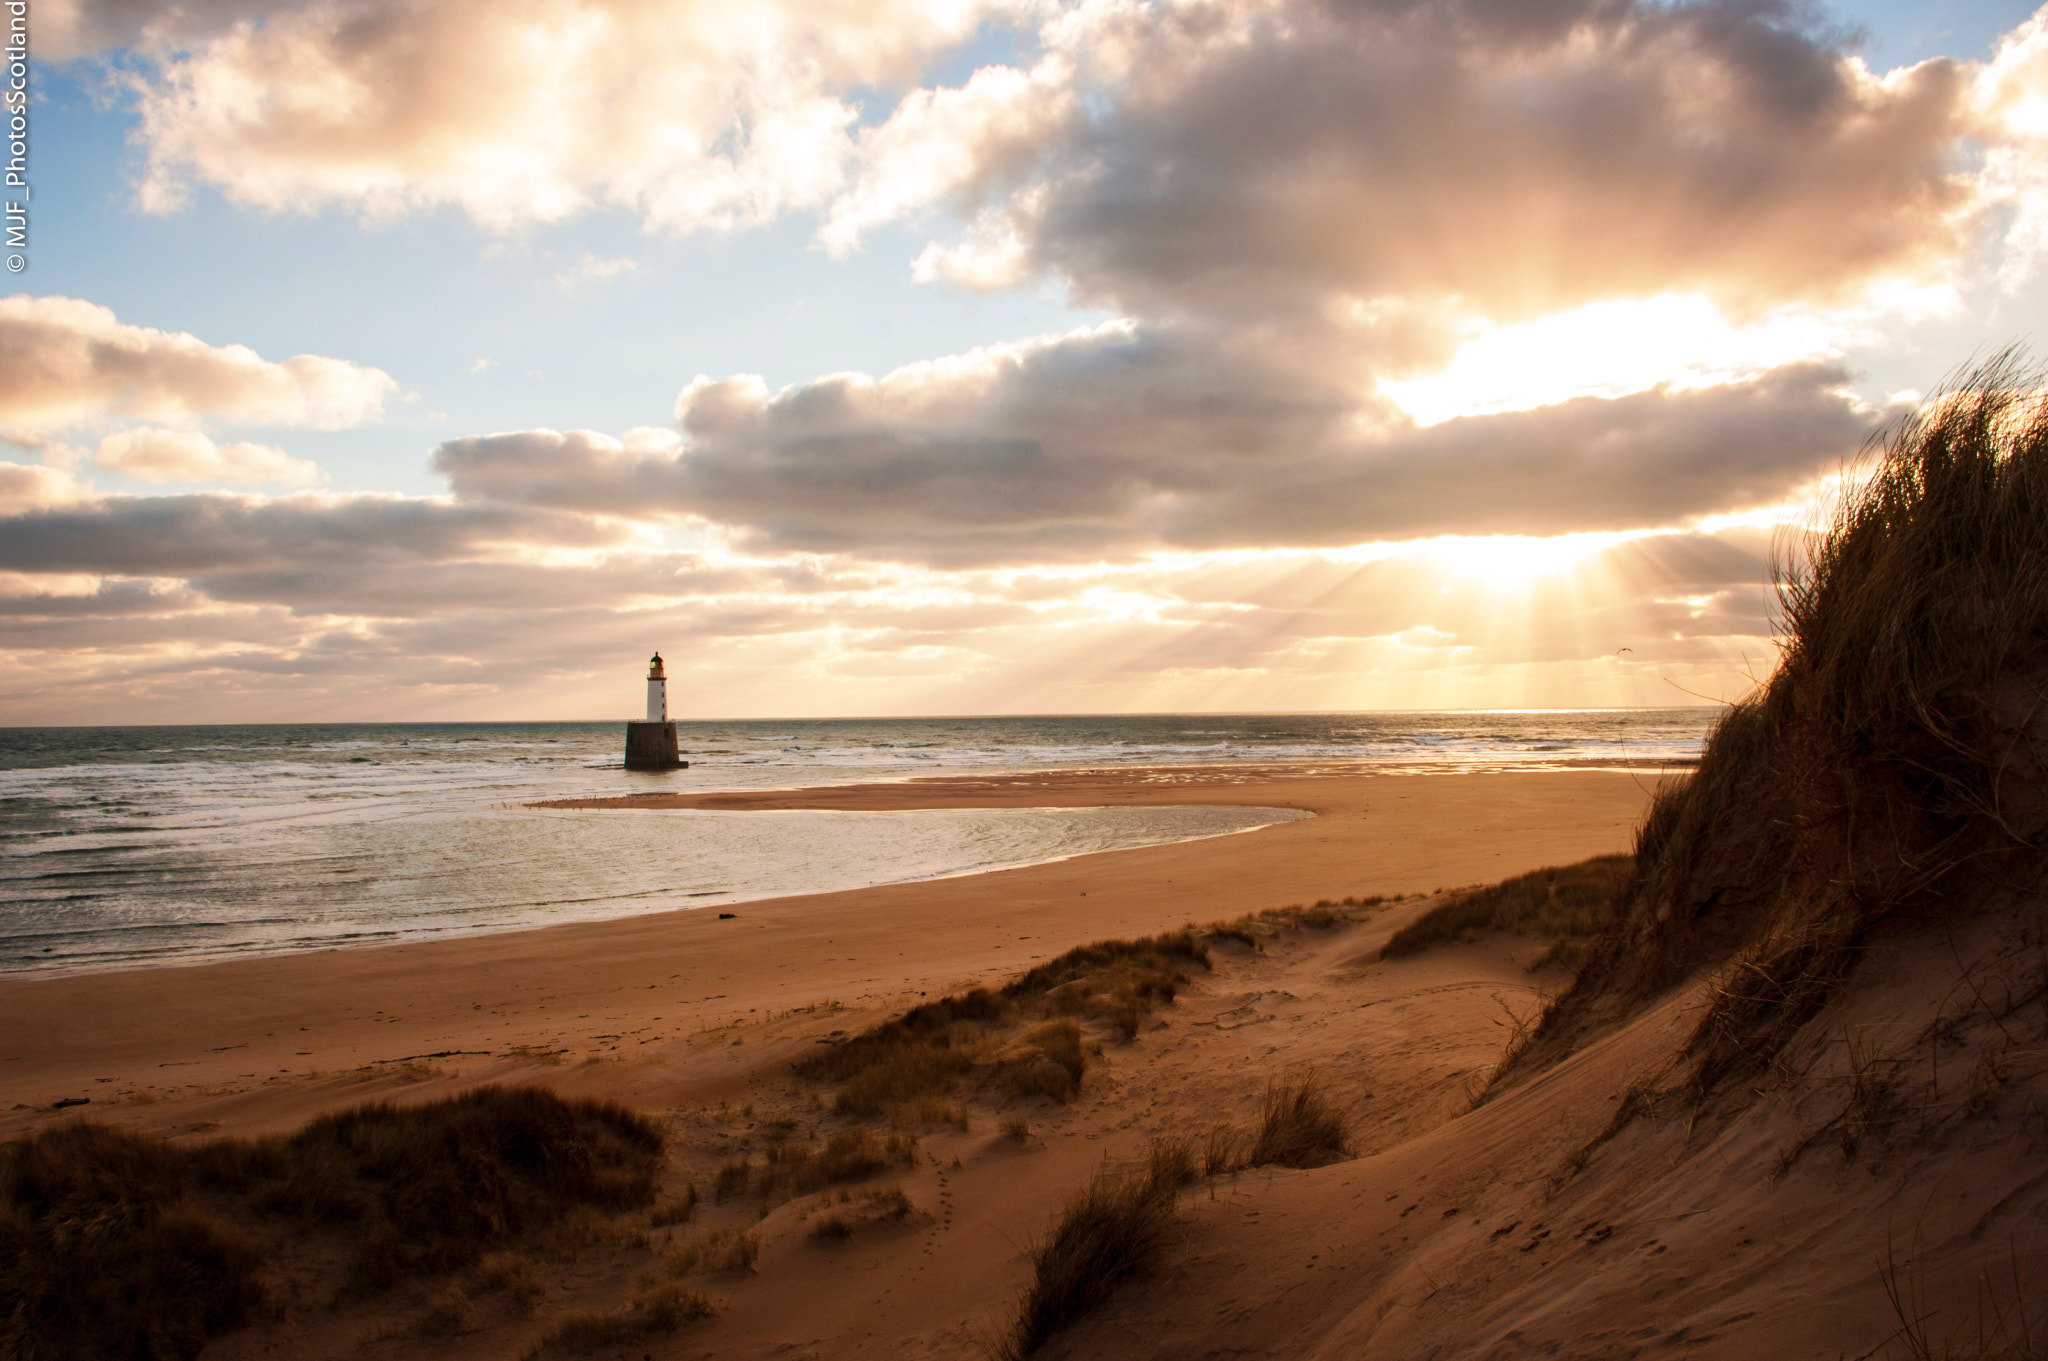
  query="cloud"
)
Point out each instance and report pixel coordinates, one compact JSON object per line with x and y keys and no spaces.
{"x":64,"y":362}
{"x":2012,"y":104}
{"x":454,"y":625}
{"x":1211,"y":156}
{"x":945,"y":143}
{"x":1121,"y":440}
{"x":189,"y":536}
{"x":1265,"y":156}
{"x":29,"y":486}
{"x":151,"y":455}
{"x":1299,"y":207}
{"x":588,"y":270}
{"x":61,"y":30}
{"x":696,"y":116}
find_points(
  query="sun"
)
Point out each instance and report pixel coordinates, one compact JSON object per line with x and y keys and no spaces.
{"x":1515,"y":561}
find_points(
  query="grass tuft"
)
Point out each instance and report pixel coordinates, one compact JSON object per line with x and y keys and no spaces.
{"x":1894,"y":763}
{"x":653,"y":1312}
{"x":1105,"y":1236}
{"x":719,"y":1250}
{"x":1572,"y":903}
{"x":851,"y":1155}
{"x":113,"y":1245}
{"x":1299,"y":1126}
{"x":673,"y":1210}
{"x":903,"y":1067}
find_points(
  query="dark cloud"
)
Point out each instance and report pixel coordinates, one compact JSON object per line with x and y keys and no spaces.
{"x":1511,"y":158}
{"x":64,"y":29}
{"x":401,"y":590}
{"x":1118,"y":442}
{"x":113,"y":599}
{"x":184,"y":536}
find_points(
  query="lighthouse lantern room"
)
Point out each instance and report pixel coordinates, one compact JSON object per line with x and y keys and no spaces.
{"x":652,"y":745}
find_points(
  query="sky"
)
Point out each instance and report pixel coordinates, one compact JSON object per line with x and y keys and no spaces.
{"x":441,"y":359}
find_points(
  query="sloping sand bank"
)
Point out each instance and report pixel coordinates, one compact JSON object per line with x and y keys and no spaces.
{"x":1857,"y":1193}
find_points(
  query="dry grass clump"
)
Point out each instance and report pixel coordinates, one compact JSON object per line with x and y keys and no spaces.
{"x":917,"y":1057}
{"x":425,"y":1189}
{"x":652,"y":1311}
{"x":851,"y":1155}
{"x":1222,"y":1152}
{"x":925,"y":1111}
{"x":508,"y":1272}
{"x":446,"y":1312}
{"x":673,"y":1210}
{"x":1105,"y":1236}
{"x":1896,"y":761}
{"x":1571,"y":903}
{"x":730,"y":1179}
{"x":112,"y":1245}
{"x":1117,"y":981}
{"x":107,"y":1250}
{"x":1050,"y":1062}
{"x":887,"y":1202}
{"x":720,"y":1250}
{"x":1299,"y":1126}
{"x":1322,"y":915}
{"x":872,"y":1206}
{"x":1112,"y":1231}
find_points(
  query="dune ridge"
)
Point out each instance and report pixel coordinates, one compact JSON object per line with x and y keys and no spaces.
{"x":1793,"y":1103}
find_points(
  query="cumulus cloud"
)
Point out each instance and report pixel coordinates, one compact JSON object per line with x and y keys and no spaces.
{"x":1122,"y":440}
{"x":697,"y":116}
{"x":1189,"y":154}
{"x":31,"y":486}
{"x":152,"y":455}
{"x":1226,"y":498}
{"x":64,"y":362}
{"x":2012,"y":98}
{"x":949,"y":143}
{"x":1516,"y":158}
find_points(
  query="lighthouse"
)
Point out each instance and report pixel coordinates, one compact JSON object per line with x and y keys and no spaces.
{"x":652,"y":745}
{"x":657,"y":691}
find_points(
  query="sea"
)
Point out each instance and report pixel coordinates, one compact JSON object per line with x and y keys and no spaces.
{"x":128,"y":847}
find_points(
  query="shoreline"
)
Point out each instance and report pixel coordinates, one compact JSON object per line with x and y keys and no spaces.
{"x":619,"y":1006}
{"x":1208,"y":784}
{"x":1081,"y":786}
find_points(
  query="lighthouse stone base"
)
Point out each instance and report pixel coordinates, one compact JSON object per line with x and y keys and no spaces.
{"x":652,"y":746}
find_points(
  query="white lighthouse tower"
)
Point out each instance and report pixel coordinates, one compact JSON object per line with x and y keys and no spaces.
{"x":652,"y":745}
{"x":657,"y":691}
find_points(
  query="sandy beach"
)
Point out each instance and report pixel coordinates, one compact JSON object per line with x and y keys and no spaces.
{"x":258,"y":1045}
{"x":1492,"y":1228}
{"x":694,"y":1019}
